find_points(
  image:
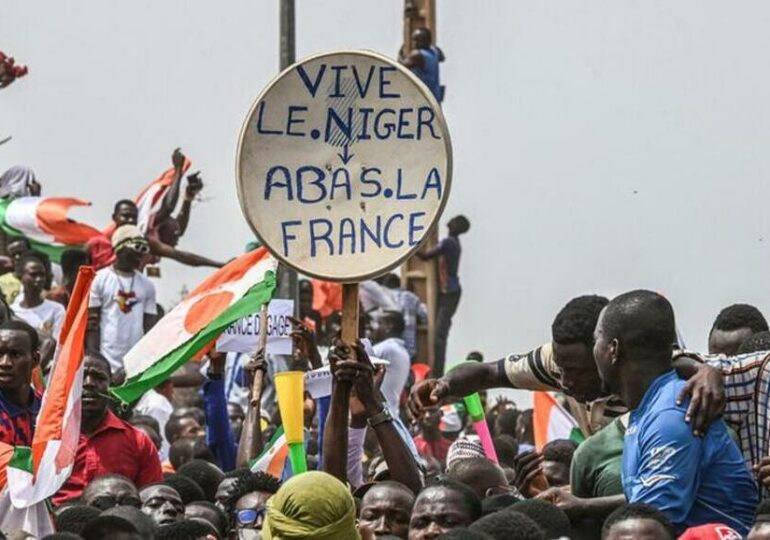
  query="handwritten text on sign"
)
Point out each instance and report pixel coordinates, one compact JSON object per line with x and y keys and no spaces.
{"x":344,"y":165}
{"x":243,"y":335}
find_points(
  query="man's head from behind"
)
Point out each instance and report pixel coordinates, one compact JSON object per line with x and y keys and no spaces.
{"x":109,"y":490}
{"x":18,"y":355}
{"x":441,"y":507}
{"x":386,"y":508}
{"x":507,"y":524}
{"x":635,"y":336}
{"x":421,"y":38}
{"x":572,"y":337}
{"x":483,"y":476}
{"x":637,"y":521}
{"x":734,"y":325}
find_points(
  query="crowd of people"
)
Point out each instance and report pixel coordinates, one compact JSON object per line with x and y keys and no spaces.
{"x":669,"y":443}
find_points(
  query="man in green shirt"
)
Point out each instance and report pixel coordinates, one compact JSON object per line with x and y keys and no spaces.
{"x":596,"y":464}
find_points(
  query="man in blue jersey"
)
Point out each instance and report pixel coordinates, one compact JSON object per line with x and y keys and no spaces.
{"x":424,"y":60}
{"x":692,"y":480}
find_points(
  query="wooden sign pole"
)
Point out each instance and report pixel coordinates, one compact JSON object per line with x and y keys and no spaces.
{"x":349,"y":312}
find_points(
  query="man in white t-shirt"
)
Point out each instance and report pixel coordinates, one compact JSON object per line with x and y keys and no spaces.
{"x":387,"y":329}
{"x":122,"y":305}
{"x":39,"y":313}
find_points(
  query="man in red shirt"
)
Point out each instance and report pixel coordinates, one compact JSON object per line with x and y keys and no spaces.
{"x":107,"y":444}
{"x":439,"y":428}
{"x":19,"y":403}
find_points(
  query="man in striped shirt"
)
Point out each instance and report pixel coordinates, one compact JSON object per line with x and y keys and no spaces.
{"x":567,"y":365}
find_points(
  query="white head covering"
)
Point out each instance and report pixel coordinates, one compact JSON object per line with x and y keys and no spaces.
{"x":16,"y":182}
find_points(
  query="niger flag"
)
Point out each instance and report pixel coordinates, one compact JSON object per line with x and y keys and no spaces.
{"x":236,"y":290}
{"x":551,"y":421}
{"x":44,"y":222}
{"x":28,"y":476}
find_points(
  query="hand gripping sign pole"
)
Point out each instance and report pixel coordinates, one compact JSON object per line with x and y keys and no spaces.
{"x":344,"y":164}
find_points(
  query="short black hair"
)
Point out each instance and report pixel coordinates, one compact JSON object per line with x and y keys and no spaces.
{"x":18,"y":325}
{"x":256,"y":481}
{"x":187,"y":529}
{"x":548,"y":517}
{"x":501,"y":524}
{"x":207,"y":475}
{"x":637,"y":511}
{"x":96,"y":355}
{"x":222,"y":522}
{"x":106,"y":526}
{"x":238,"y":473}
{"x":740,"y":316}
{"x":141,"y":521}
{"x":756,"y":343}
{"x":560,"y":450}
{"x":74,"y":518}
{"x":190,"y":412}
{"x":471,"y":501}
{"x":188,"y":489}
{"x":144,"y":419}
{"x":173,"y":425}
{"x":462,"y":224}
{"x":474,"y":356}
{"x":184,"y":450}
{"x":72,"y":260}
{"x":642,"y":321}
{"x":391,"y":281}
{"x":23,"y":239}
{"x":464,"y":534}
{"x":508,"y":420}
{"x":60,"y":535}
{"x":121,"y":202}
{"x":506,"y":449}
{"x":576,"y":321}
{"x":495,"y":503}
{"x":37,"y":257}
{"x":395,"y":319}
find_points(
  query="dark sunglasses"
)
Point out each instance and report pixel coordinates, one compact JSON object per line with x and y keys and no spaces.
{"x":249,"y":516}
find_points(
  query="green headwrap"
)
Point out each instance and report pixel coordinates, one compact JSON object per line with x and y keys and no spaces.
{"x":311,"y":505}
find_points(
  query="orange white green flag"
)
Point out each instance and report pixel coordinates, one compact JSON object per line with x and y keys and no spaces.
{"x":30,"y":475}
{"x":44,"y":222}
{"x":551,"y":421}
{"x":236,"y":290}
{"x":272,"y":460}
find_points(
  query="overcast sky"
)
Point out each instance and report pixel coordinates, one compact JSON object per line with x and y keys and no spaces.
{"x":599,"y":145}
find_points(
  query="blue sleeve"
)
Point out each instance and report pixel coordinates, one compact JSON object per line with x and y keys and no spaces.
{"x":219,"y":436}
{"x":667,"y":473}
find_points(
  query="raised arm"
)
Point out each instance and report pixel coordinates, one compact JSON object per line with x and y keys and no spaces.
{"x":194,"y":186}
{"x":219,"y":435}
{"x":335,"y":444}
{"x":172,"y":195}
{"x":458,"y":383}
{"x":401,"y":464}
{"x":432,"y":253}
{"x":414,"y":60}
{"x":185,"y":257}
{"x":251,"y":444}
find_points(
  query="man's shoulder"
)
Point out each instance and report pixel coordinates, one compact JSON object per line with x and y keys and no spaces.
{"x":55,"y":307}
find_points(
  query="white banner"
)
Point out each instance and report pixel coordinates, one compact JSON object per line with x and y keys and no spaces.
{"x":243,"y":335}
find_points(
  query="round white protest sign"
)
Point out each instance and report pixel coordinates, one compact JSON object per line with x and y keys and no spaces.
{"x":344,"y":164}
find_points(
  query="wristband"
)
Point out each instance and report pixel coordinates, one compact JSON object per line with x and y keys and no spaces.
{"x":380,"y":418}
